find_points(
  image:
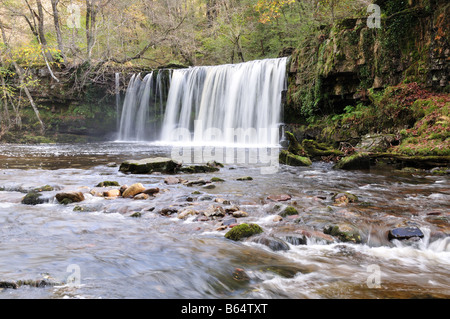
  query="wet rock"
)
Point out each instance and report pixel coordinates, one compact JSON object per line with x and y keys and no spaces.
{"x":231,"y":209}
{"x":290,"y":159}
{"x":196,"y":182}
{"x":288,"y":211}
{"x":209,"y":186}
{"x":151,"y":191}
{"x":279,"y":198}
{"x":107,"y":184}
{"x":296,"y":241}
{"x":195,"y":169}
{"x":318,"y":150}
{"x":240,"y":214}
{"x":344,"y":233}
{"x":112,"y":164}
{"x":217,"y":179}
{"x":215,"y":211}
{"x":45,"y":188}
{"x":205,"y":198}
{"x":141,"y":196}
{"x":440,"y":171}
{"x":33,"y":199}
{"x":186,"y":213}
{"x":38,"y":283}
{"x":168,"y":211}
{"x":172,"y":180}
{"x":222,"y":201}
{"x":136,"y":215}
{"x":277,"y":219}
{"x":274,"y":243}
{"x":240,"y":275}
{"x":229,"y":221}
{"x":404,"y":233}
{"x":356,"y":161}
{"x":133,"y":190}
{"x":112,"y":193}
{"x":245,"y":178}
{"x":71,"y":197}
{"x":123,"y":188}
{"x":295,"y":148}
{"x":344,"y":198}
{"x":150,"y":165}
{"x":215,"y":164}
{"x":243,"y":231}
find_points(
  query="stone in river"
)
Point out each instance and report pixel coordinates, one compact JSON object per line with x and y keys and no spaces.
{"x":71,"y":197}
{"x":242,"y":231}
{"x":33,"y":198}
{"x":151,"y":191}
{"x":141,"y":196}
{"x":279,"y":198}
{"x":150,"y":165}
{"x":240,"y":214}
{"x":274,"y":243}
{"x":344,"y":232}
{"x":133,"y":190}
{"x":112,"y":193}
{"x":187,"y":212}
{"x":107,"y":184}
{"x":402,"y":233}
{"x":245,"y":178}
{"x":288,"y":211}
{"x":172,"y":180}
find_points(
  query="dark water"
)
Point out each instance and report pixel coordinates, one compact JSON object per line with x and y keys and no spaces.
{"x":115,"y":255}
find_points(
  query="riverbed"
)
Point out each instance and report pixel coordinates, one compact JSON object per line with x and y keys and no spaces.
{"x":105,"y":250}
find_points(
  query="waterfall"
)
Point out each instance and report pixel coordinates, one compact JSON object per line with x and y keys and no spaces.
{"x":234,"y":103}
{"x":117,"y":91}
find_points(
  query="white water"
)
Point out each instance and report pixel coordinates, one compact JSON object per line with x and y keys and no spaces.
{"x":235,"y":103}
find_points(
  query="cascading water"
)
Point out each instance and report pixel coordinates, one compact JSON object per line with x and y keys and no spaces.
{"x":235,"y":103}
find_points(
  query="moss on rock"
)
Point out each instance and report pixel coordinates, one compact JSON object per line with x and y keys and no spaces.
{"x":242,"y":231}
{"x":290,"y":159}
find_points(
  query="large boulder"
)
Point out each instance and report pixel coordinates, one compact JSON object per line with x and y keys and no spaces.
{"x":150,"y":165}
{"x":291,"y":159}
{"x":356,"y":161}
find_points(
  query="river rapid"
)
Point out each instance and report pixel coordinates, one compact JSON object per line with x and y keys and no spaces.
{"x":104,"y":252}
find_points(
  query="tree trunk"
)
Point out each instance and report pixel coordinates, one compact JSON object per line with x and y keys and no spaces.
{"x":58,"y":28}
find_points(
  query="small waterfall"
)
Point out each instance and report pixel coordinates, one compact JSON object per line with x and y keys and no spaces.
{"x":235,"y":103}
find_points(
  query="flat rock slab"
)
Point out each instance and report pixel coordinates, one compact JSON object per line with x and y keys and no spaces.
{"x":403,"y":233}
{"x":150,"y":165}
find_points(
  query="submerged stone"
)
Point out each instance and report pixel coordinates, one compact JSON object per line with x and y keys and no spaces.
{"x":344,"y":233}
{"x":107,"y":184}
{"x":150,"y":165}
{"x":288,"y":211}
{"x":274,"y":243}
{"x":403,"y":233}
{"x":242,"y":231}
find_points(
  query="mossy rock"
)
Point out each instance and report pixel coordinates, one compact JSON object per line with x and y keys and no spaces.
{"x":294,"y":146}
{"x":107,"y":184}
{"x":242,"y":231}
{"x":315,"y":149}
{"x":33,"y":198}
{"x":150,"y":165}
{"x":217,"y":179}
{"x":344,"y":233}
{"x":288,"y":211}
{"x":195,"y":169}
{"x":345,"y":198}
{"x":245,"y":178}
{"x":291,"y":159}
{"x":46,"y":188}
{"x":356,"y":161}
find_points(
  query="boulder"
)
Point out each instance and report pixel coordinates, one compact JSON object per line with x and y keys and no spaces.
{"x":150,"y":165}
{"x":151,"y":191}
{"x":187,"y":212}
{"x":243,"y":231}
{"x":376,"y":142}
{"x":141,"y":196}
{"x":344,"y":233}
{"x":356,"y":161}
{"x":291,"y":159}
{"x":344,"y":198}
{"x":404,"y":233}
{"x":71,"y":197}
{"x":33,"y":198}
{"x":245,"y":178}
{"x":133,"y":190}
{"x":172,"y":180}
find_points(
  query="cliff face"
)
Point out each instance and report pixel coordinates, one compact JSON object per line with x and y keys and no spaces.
{"x":338,"y":68}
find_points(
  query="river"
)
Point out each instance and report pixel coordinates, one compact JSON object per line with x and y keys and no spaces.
{"x":104,"y":252}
